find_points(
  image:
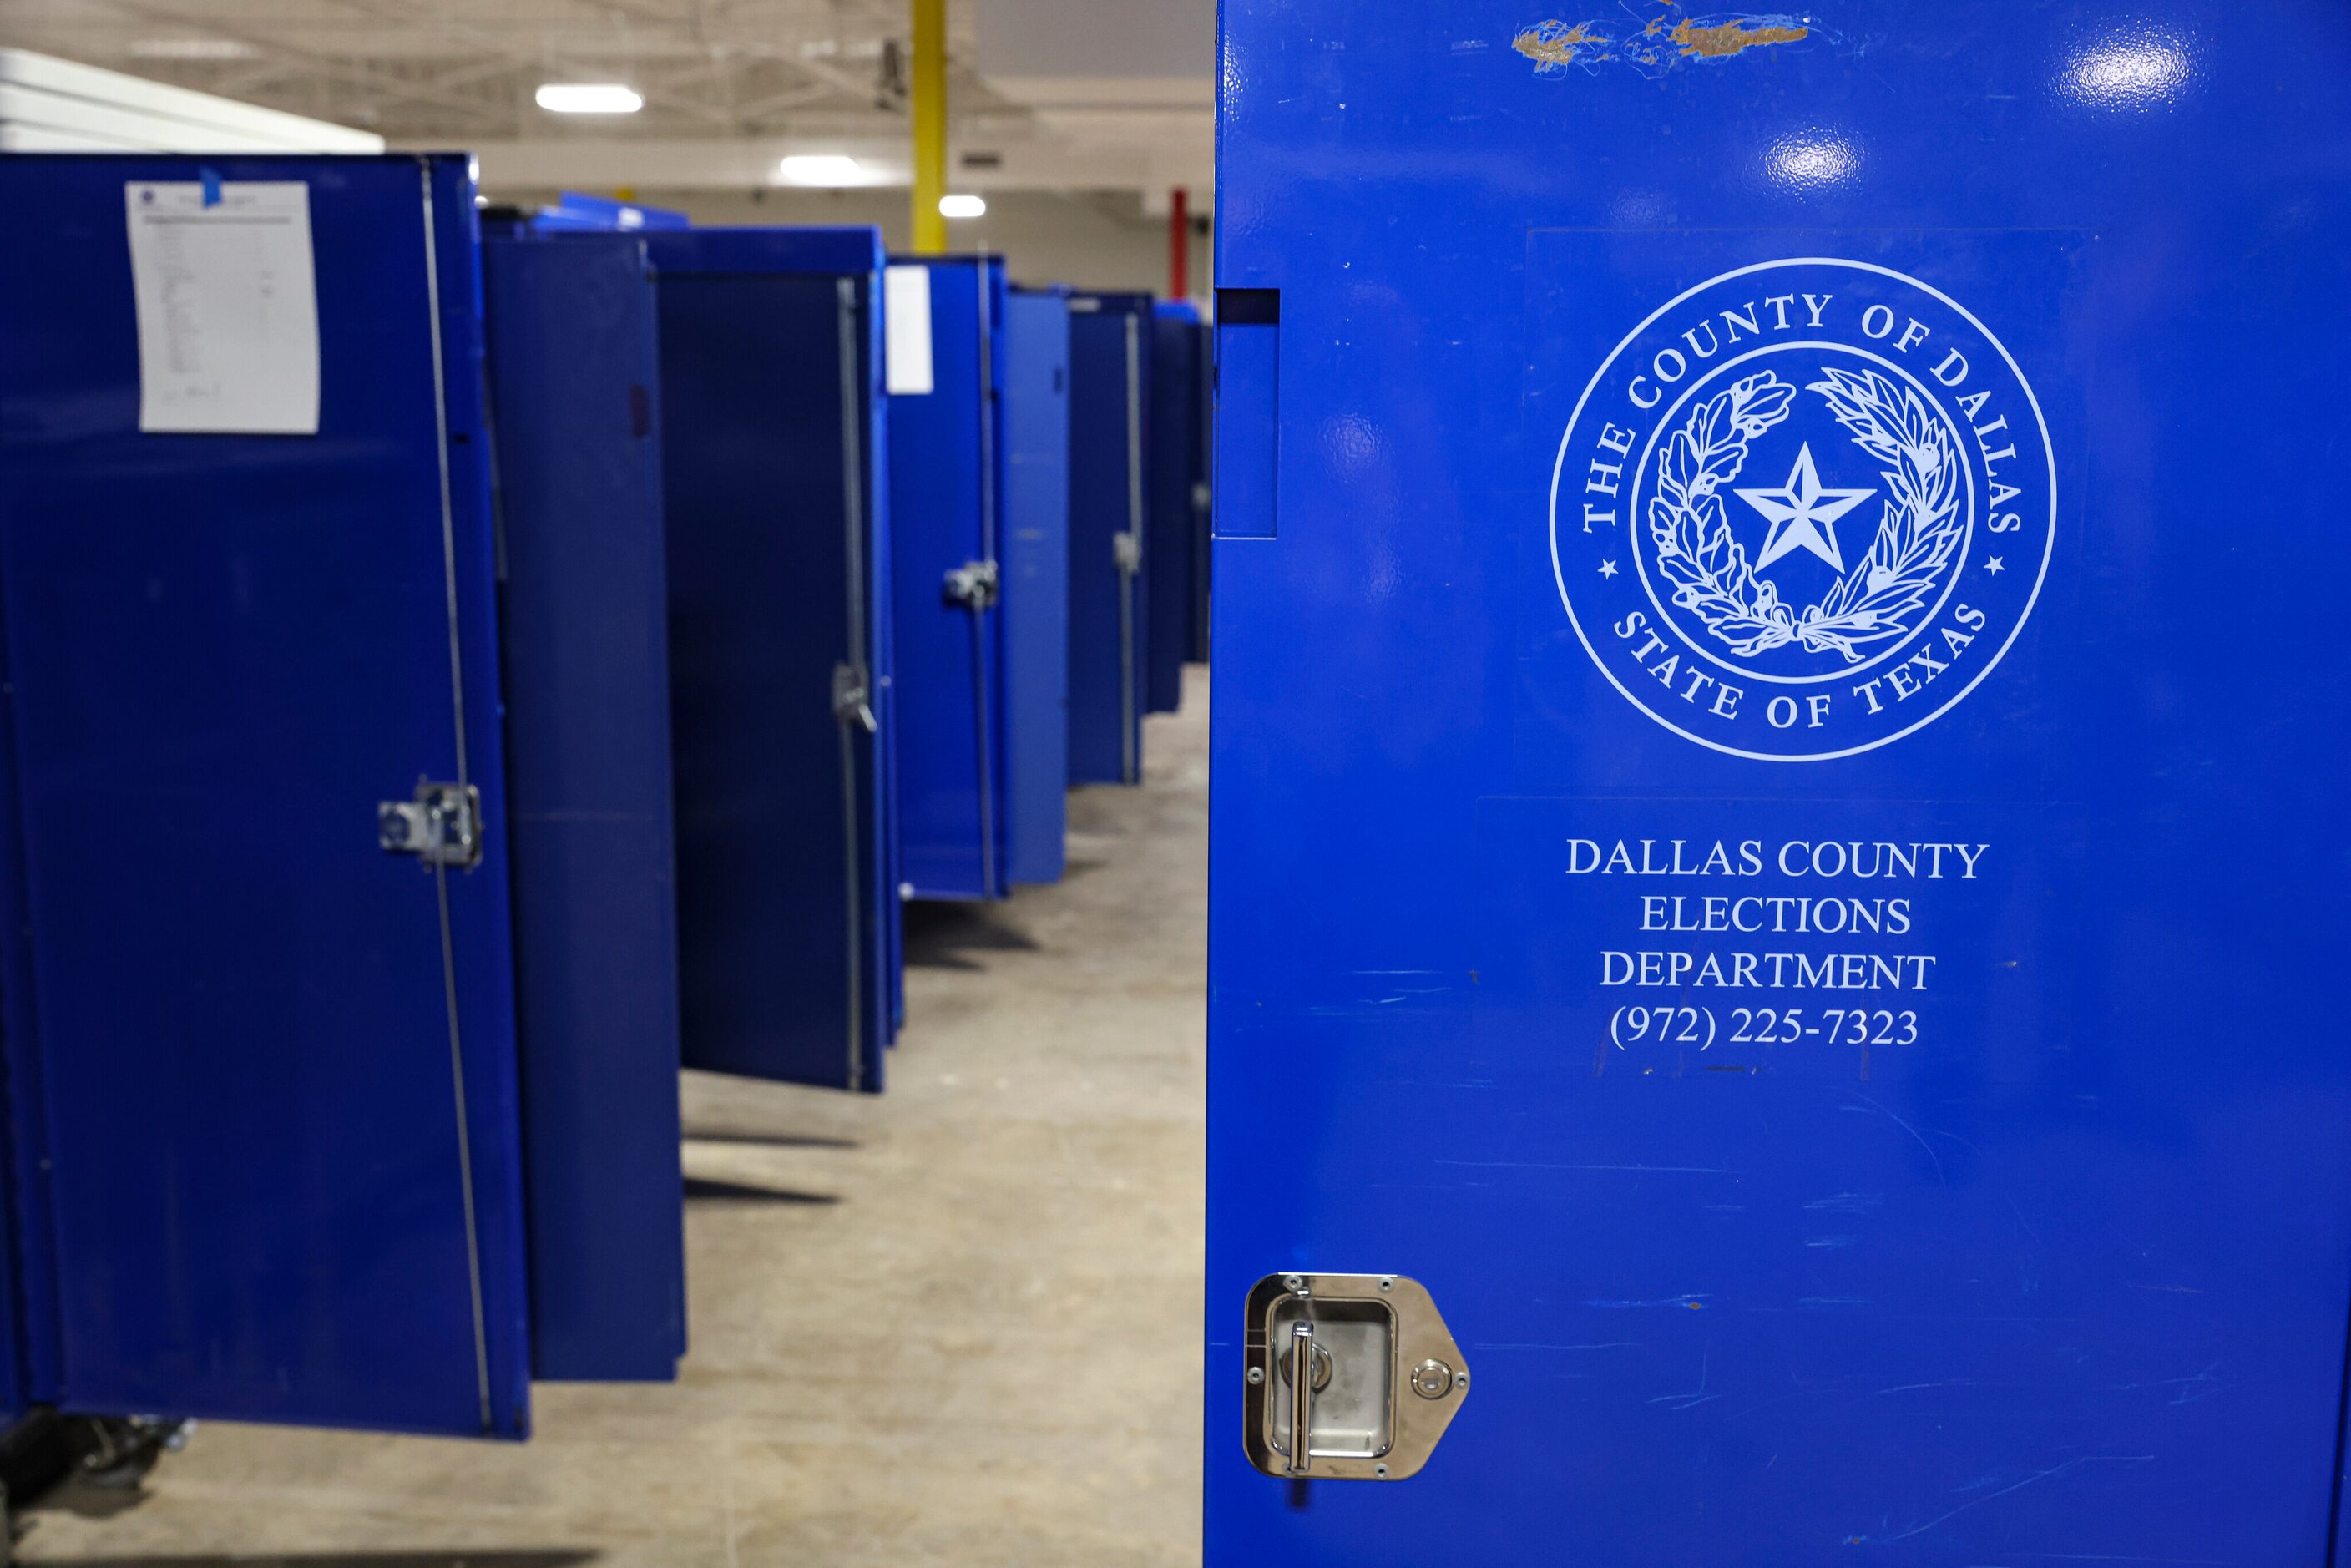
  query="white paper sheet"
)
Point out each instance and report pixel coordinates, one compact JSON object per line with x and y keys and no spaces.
{"x":906,"y":329}
{"x":227,"y":306}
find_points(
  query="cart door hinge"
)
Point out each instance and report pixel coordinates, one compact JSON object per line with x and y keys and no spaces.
{"x":973,"y":585}
{"x":1126,"y":549}
{"x":1349,"y":1376}
{"x":852,"y":703}
{"x":440,"y":825}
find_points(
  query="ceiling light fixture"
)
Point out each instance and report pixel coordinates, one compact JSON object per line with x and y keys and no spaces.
{"x":590,"y":98}
{"x":963,"y":207}
{"x":820,"y":169}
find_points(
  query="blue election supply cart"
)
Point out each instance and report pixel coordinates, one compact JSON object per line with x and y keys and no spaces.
{"x":946,"y":332}
{"x":1037,"y":580}
{"x":774,"y":448}
{"x":255,"y":961}
{"x":1778,"y":745}
{"x":576,"y":211}
{"x":573,"y":374}
{"x":1110,"y":380}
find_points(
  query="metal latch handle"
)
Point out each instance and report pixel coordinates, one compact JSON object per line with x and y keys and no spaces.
{"x":1302,"y":1396}
{"x":852,"y":703}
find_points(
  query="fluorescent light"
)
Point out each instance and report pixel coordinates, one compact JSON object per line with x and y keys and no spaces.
{"x":963,"y":207}
{"x":820,"y":169}
{"x":588,"y":98}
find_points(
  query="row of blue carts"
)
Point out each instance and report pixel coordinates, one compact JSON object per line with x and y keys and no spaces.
{"x":392,"y":807}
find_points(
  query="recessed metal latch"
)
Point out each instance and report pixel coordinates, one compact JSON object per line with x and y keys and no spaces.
{"x":1126,"y":549}
{"x":973,"y":585}
{"x":852,"y":703}
{"x":442,"y":825}
{"x":1360,"y":1363}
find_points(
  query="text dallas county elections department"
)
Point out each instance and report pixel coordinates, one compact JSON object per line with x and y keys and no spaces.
{"x":1789,"y":914}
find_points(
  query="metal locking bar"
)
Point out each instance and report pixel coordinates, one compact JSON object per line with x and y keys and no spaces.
{"x":975,"y":585}
{"x":1302,"y":1396}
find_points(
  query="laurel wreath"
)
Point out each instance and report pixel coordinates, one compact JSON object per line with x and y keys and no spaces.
{"x":1872,"y":603}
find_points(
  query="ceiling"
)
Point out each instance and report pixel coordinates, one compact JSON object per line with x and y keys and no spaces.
{"x":1043,"y":94}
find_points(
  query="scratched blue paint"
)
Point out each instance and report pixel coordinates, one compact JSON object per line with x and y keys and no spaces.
{"x":2064,"y":1277}
{"x":1657,"y":40}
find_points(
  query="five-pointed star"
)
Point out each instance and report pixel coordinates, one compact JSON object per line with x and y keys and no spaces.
{"x":1607,"y":569}
{"x":1801,"y":513}
{"x":1995,"y":565}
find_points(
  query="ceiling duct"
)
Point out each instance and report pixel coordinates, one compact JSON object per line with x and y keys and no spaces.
{"x":49,"y":105}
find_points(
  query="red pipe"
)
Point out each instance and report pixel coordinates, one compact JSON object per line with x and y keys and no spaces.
{"x":1179,"y":244}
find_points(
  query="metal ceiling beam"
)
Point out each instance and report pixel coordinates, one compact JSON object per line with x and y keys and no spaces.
{"x":351,"y":72}
{"x":758,"y":109}
{"x":460,"y":72}
{"x":483,"y":38}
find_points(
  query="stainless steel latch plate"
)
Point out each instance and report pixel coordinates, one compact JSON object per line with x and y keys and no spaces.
{"x":439,"y":825}
{"x":974,"y":585}
{"x":1363,"y":1363}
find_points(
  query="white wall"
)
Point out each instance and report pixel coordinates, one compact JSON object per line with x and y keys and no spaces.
{"x":1092,"y":240}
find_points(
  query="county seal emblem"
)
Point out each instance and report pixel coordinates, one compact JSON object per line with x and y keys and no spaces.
{"x":1803,"y":509}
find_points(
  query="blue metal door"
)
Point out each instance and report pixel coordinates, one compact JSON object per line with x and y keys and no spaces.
{"x":1110,"y":375}
{"x":584,"y":613}
{"x":1175,"y":410}
{"x":261,"y":1071}
{"x":14,"y":1380}
{"x":772,"y":445}
{"x":1037,"y":580}
{"x":1778,"y":771}
{"x":946,"y":497}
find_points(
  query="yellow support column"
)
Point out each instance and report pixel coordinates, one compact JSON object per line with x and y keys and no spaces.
{"x":930,"y":125}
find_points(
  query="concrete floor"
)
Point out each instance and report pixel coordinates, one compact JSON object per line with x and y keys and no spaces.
{"x":958,"y":1323}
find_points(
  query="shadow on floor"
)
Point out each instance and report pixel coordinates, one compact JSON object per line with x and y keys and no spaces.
{"x":768,"y":1140}
{"x":711,"y":1190}
{"x":950,"y":935}
{"x":78,"y":1496}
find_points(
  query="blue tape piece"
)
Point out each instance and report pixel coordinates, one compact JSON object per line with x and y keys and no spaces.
{"x":212,"y":183}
